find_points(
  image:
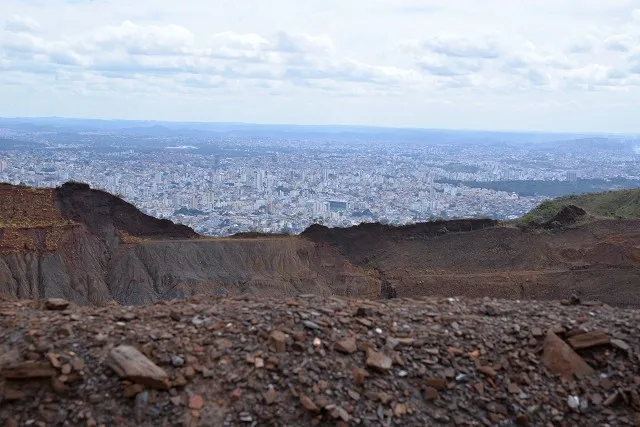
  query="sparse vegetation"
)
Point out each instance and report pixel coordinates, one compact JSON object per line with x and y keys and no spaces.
{"x":549,"y":188}
{"x":621,"y":204}
{"x":129,"y":239}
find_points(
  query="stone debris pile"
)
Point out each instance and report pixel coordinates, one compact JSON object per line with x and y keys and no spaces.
{"x":250,"y":361}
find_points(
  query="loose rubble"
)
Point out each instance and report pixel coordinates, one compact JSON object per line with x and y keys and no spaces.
{"x":250,"y":361}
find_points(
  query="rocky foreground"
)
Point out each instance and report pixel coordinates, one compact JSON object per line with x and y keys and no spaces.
{"x":312,"y":361}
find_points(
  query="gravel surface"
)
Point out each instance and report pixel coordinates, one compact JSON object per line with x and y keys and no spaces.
{"x":303,"y":361}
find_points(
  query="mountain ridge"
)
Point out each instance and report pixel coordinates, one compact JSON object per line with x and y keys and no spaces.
{"x":93,"y":248}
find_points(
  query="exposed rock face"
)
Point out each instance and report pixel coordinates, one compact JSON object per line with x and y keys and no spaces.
{"x":90,"y":247}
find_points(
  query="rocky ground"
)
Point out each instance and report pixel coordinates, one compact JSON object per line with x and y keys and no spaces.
{"x":312,"y":361}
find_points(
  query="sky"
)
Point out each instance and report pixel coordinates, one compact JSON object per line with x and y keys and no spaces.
{"x":541,"y":65}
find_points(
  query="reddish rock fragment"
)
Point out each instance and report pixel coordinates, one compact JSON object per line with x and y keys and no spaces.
{"x":437,"y":383}
{"x":378,"y":361}
{"x":189,"y":372}
{"x":400,"y":409}
{"x":28,"y":370}
{"x":513,"y":388}
{"x":347,"y":345}
{"x":11,"y":394}
{"x":587,"y":340}
{"x":77,"y":364}
{"x":196,"y":402}
{"x":431,"y":393}
{"x":611,"y":399}
{"x":488,"y":371}
{"x":308,"y":404}
{"x":561,"y":359}
{"x":130,"y":364}
{"x":270,"y":396}
{"x":359,"y":376}
{"x":56,"y":304}
{"x":278,"y":341}
{"x":236,"y":394}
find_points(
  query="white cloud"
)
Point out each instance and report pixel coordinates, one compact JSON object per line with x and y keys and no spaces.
{"x":295,"y":54}
{"x":457,"y":46}
{"x":135,"y":51}
{"x":302,"y":43}
{"x":582,"y":45}
{"x":438,"y":66}
{"x":22,"y":24}
{"x":141,"y":39}
{"x":619,"y":43}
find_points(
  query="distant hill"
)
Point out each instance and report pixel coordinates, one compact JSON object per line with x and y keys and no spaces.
{"x":620,"y":204}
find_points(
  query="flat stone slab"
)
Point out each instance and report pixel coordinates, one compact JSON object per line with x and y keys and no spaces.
{"x":56,"y":304}
{"x":132,"y":365}
{"x":28,"y":370}
{"x":588,"y":339}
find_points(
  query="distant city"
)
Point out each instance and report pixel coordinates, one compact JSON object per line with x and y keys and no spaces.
{"x":223,"y":179}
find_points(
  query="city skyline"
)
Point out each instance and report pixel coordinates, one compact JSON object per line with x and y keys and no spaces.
{"x":222,"y":179}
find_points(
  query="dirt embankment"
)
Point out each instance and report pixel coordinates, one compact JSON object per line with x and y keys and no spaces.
{"x":596,"y":260}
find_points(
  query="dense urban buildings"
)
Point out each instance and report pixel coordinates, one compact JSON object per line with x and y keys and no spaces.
{"x":275,"y":180}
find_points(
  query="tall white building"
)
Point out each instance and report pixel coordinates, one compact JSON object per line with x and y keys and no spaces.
{"x":260,"y":178}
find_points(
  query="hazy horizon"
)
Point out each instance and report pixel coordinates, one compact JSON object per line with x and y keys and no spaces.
{"x":314,"y":125}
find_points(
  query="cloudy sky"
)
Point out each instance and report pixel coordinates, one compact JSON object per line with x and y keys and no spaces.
{"x":570,"y":65}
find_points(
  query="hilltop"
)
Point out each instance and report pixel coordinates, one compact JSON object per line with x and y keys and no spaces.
{"x":620,"y":204}
{"x":93,"y":248}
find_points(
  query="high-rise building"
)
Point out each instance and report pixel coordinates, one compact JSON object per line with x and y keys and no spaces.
{"x":260,"y":178}
{"x":572,"y":176}
{"x":3,"y":166}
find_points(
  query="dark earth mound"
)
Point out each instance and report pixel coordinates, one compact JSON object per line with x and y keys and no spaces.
{"x":566,"y":216}
{"x":103,"y":213}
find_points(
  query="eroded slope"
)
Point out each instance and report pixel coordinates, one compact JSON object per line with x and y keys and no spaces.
{"x":91,"y":247}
